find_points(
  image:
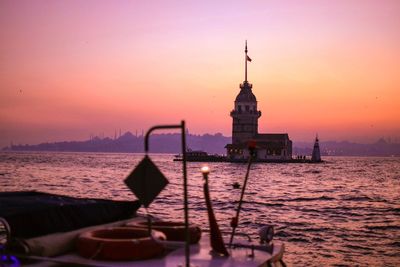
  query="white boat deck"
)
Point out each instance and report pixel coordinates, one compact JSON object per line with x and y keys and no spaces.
{"x":200,"y":255}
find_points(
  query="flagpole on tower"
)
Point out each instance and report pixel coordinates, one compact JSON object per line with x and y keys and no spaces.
{"x":245,"y":63}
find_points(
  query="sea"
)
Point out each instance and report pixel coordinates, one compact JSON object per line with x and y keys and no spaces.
{"x":343,"y":212}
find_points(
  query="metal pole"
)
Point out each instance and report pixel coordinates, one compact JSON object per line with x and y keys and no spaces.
{"x":235,"y":220}
{"x":185,"y":196}
{"x":185,"y":191}
{"x":146,"y":140}
{"x":245,"y":63}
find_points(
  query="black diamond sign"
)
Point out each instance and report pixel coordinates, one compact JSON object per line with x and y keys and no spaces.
{"x":146,"y":181}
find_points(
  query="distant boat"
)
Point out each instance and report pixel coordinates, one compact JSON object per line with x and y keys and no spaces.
{"x":199,"y":156}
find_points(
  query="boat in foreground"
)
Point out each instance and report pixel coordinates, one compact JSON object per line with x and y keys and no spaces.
{"x":41,"y":229}
{"x":35,"y":243}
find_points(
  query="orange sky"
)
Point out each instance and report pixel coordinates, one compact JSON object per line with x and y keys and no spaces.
{"x":71,"y":69}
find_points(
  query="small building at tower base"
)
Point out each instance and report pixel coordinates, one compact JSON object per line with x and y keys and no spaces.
{"x":269,"y":147}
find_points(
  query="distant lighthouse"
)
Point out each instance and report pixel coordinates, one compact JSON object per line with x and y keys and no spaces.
{"x":316,"y":154}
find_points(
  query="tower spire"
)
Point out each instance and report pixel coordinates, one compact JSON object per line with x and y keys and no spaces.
{"x":246,"y":58}
{"x":245,"y":63}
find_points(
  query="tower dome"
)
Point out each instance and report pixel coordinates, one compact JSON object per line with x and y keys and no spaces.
{"x":246,"y":94}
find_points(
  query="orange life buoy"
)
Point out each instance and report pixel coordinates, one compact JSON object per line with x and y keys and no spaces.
{"x":119,"y":243}
{"x":174,"y":231}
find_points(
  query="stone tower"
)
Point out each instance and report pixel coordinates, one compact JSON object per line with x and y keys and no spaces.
{"x":245,"y":114}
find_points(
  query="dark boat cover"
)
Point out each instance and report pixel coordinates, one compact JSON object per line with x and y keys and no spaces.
{"x":32,"y":214}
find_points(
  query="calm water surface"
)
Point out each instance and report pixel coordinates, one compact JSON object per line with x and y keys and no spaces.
{"x":345,"y":212}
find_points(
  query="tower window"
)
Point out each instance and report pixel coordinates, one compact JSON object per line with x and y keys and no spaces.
{"x":247,"y":108}
{"x":240,"y":108}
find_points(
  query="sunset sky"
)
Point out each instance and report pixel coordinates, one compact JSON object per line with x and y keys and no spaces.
{"x":71,"y":69}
